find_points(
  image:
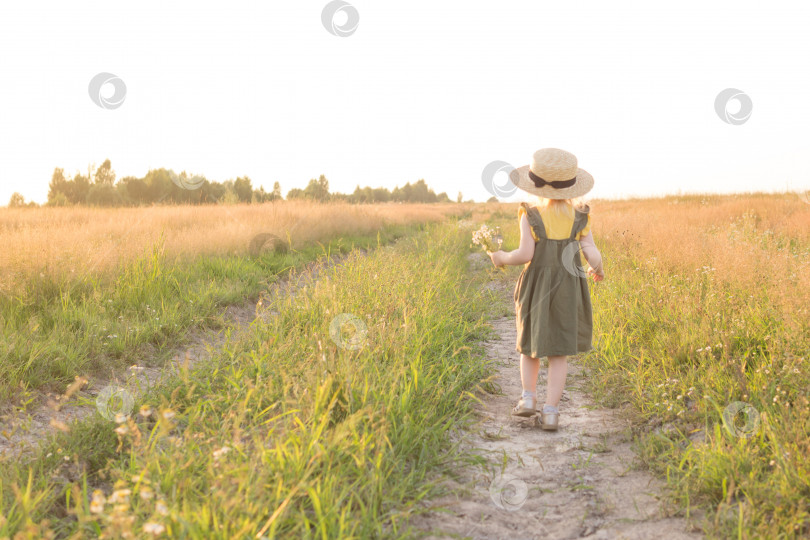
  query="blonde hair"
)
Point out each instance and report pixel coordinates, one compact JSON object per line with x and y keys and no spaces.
{"x":563,"y":207}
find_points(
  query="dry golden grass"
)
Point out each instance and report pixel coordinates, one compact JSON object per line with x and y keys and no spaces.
{"x":758,"y":242}
{"x":68,"y":243}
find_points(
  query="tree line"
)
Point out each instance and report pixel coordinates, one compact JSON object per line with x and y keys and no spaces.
{"x":99,"y":187}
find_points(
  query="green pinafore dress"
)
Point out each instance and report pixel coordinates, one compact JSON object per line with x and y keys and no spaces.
{"x":552,"y":298}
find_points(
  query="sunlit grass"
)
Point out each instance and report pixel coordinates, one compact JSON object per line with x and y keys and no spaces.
{"x":93,"y":286}
{"x":704,"y":304}
{"x":284,"y":433}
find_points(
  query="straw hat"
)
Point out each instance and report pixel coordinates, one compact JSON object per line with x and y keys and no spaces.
{"x":553,"y":174}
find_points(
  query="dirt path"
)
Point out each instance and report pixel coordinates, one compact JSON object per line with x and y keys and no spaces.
{"x":579,"y":481}
{"x":22,"y":430}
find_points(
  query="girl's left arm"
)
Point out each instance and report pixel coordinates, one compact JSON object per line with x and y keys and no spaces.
{"x":522,"y":254}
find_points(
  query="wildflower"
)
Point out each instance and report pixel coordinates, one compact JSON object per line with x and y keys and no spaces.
{"x":120,"y":496}
{"x":222,"y":451}
{"x":146,"y":492}
{"x":161,"y":508}
{"x":120,"y":418}
{"x":679,"y":396}
{"x":168,"y":414}
{"x":153,"y":528}
{"x":97,"y":504}
{"x":123,"y":429}
{"x":145,"y":411}
{"x":120,"y":508}
{"x":772,"y":463}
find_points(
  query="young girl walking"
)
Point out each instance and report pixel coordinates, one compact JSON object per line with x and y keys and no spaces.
{"x":552,"y":298}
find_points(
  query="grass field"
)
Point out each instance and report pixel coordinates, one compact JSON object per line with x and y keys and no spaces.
{"x":289,"y":432}
{"x":85,"y":289}
{"x":706,"y":303}
{"x":285,"y":432}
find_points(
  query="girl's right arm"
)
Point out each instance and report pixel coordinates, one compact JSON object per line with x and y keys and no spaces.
{"x":592,"y":255}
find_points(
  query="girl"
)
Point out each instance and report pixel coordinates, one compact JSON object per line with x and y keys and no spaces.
{"x":552,"y":298}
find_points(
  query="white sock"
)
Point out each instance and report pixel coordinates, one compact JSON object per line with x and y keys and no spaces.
{"x":527,"y":394}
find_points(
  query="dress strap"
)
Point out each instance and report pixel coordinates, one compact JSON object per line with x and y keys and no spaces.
{"x":536,"y":222}
{"x":580,"y":222}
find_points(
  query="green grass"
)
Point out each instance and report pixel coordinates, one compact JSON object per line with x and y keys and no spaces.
{"x":322,"y":441}
{"x":52,"y":332}
{"x":654,"y":328}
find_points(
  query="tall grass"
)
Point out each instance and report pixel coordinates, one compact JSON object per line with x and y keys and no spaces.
{"x":284,"y":433}
{"x":50,"y":247}
{"x":706,"y":304}
{"x":98,"y":285}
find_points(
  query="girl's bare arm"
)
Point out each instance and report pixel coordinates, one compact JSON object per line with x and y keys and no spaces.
{"x":525,"y":252}
{"x":592,"y":254}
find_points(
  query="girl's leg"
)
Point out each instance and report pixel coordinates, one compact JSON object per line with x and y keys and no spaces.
{"x":557,"y":370}
{"x":529,"y":368}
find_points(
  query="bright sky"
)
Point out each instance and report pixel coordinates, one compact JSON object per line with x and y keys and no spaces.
{"x":421,"y":89}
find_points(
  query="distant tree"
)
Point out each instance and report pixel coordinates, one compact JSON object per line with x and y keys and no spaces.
{"x":259,"y":195}
{"x":159,"y":185}
{"x":99,"y":187}
{"x":458,"y":199}
{"x":58,"y":185}
{"x":60,"y":199}
{"x":76,"y":189}
{"x":104,"y":174}
{"x":243,"y":189}
{"x":317,"y":189}
{"x":103,"y":195}
{"x":212,"y":192}
{"x":16,"y":201}
{"x":492,"y":199}
{"x":381,"y":195}
{"x":137,"y":192}
{"x":229,"y":197}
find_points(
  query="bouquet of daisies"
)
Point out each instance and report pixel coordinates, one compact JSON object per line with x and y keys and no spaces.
{"x":490,"y":240}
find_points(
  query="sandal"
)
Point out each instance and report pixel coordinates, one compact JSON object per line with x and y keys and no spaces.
{"x":549,"y":418}
{"x":525,"y":407}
